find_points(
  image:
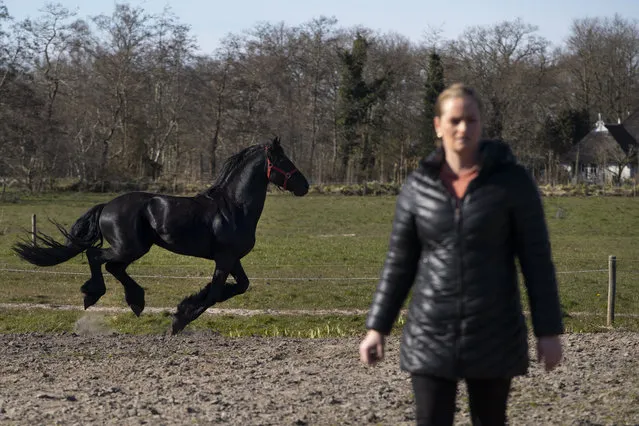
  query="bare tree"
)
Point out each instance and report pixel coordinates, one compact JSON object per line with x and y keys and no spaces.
{"x":9,"y":51}
{"x":50,"y":41}
{"x":209,"y":92}
{"x":602,"y":58}
{"x":171,"y":50}
{"x":318,"y":60}
{"x":123,"y":96}
{"x":509,"y":65}
{"x":118,"y":65}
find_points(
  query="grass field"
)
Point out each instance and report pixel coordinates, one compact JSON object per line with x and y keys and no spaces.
{"x":315,"y":252}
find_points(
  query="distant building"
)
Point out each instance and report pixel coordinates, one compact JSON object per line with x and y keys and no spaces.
{"x":607,"y":154}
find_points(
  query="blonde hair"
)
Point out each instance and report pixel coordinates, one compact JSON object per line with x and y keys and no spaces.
{"x":456,"y":90}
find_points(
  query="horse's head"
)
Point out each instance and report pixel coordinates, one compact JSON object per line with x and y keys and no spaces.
{"x":281,"y":171}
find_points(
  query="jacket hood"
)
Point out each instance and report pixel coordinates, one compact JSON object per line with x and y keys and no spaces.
{"x":492,"y":154}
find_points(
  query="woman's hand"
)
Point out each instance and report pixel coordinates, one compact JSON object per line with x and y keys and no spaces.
{"x":549,"y":351}
{"x":371,"y":350}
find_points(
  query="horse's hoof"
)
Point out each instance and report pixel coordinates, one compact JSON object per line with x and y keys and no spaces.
{"x":90,"y":300}
{"x":135,"y":302}
{"x":137,"y":310}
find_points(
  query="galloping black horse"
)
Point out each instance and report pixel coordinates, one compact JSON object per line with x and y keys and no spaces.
{"x":217,"y":224}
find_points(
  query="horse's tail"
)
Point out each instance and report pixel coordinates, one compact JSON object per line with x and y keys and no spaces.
{"x":46,"y":251}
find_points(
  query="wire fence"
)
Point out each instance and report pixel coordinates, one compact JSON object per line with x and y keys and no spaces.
{"x":612,"y":273}
{"x":198,"y":277}
{"x":305,"y":278}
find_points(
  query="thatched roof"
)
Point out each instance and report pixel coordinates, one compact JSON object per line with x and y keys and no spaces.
{"x":607,"y":142}
{"x":596,"y":147}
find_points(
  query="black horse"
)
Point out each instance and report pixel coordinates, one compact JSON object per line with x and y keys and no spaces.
{"x":217,"y":224}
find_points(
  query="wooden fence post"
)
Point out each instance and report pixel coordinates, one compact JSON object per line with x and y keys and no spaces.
{"x":612,"y":288}
{"x":34,"y":230}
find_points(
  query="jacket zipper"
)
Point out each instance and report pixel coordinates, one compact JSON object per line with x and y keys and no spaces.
{"x":458,"y":231}
{"x":459,"y":204}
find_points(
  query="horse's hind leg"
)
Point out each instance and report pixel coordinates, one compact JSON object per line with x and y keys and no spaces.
{"x":94,"y":288}
{"x":128,"y":244}
{"x":133,"y":293}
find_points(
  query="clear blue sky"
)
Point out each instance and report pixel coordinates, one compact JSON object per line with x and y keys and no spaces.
{"x":212,"y":20}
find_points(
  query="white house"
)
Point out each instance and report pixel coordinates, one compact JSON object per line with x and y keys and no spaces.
{"x":606,"y":154}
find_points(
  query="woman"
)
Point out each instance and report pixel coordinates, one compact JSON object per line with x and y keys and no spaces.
{"x":461,"y":219}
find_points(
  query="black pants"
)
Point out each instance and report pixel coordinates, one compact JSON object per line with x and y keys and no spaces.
{"x":435,"y":400}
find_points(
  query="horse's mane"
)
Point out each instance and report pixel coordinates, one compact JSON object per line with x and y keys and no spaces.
{"x":231,"y":164}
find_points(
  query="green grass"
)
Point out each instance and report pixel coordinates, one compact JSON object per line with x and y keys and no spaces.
{"x":40,"y":320}
{"x":315,"y":252}
{"x":302,"y":326}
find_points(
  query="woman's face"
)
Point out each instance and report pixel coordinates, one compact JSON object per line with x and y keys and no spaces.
{"x":459,"y":126}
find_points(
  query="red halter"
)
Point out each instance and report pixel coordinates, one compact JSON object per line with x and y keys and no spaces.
{"x":270,"y":166}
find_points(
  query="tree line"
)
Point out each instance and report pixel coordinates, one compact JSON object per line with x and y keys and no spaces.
{"x":128,"y":96}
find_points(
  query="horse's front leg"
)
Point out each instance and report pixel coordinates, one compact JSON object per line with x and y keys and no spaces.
{"x":240,"y":286}
{"x":194,"y":305}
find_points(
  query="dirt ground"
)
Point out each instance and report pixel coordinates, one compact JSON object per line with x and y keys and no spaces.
{"x":204,"y":378}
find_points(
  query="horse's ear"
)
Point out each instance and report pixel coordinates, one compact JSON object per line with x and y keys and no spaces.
{"x":276,"y":142}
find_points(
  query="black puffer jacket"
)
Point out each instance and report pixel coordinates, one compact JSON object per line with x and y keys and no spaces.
{"x":465,"y":317}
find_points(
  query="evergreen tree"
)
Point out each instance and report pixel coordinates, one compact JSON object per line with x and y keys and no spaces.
{"x":566,"y":129}
{"x":433,"y":86}
{"x":352,"y":94}
{"x":357,"y":118}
